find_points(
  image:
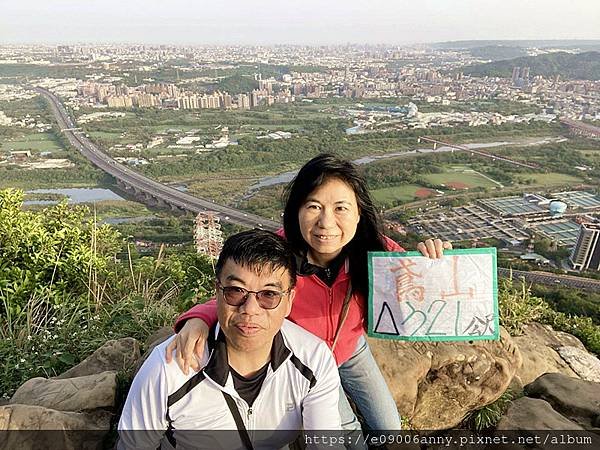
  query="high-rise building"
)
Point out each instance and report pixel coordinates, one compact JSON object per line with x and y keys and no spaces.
{"x":254,"y":99}
{"x":243,"y":101}
{"x":586,"y":253}
{"x":515,"y":75}
{"x":119,"y":101}
{"x":525,"y":73}
{"x":226,"y":98}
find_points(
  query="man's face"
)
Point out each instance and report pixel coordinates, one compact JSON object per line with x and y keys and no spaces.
{"x":249,"y":327}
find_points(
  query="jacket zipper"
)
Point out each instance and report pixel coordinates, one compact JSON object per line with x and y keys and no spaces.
{"x":331,"y":324}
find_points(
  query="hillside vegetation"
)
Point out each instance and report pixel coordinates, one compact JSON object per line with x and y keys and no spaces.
{"x":497,"y":52}
{"x":68,"y":285}
{"x":580,"y":66}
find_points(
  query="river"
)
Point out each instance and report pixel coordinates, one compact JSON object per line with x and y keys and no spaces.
{"x":286,"y":177}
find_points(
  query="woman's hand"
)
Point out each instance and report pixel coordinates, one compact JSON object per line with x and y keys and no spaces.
{"x":434,"y":248}
{"x":189,"y":343}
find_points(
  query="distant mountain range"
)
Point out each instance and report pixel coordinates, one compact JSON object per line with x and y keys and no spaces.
{"x":588,"y":45}
{"x":579,"y":66}
{"x":497,"y":52}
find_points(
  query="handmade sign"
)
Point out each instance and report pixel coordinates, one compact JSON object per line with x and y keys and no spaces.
{"x":415,"y":298}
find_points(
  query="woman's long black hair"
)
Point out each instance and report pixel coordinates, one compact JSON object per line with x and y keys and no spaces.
{"x":369,"y":232}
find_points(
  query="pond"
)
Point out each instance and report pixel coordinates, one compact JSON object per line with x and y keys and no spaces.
{"x":74,"y":195}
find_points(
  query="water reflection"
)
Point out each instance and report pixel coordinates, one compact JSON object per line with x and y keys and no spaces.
{"x":75,"y":195}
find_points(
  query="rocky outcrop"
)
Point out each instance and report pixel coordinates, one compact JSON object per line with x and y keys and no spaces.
{"x":584,"y":364}
{"x":575,"y":399}
{"x":558,"y":411}
{"x":71,"y":394}
{"x":534,"y":414}
{"x":27,"y":427}
{"x":538,"y":346}
{"x":72,"y":411}
{"x":117,"y":355}
{"x":158,"y":337}
{"x":437,"y":384}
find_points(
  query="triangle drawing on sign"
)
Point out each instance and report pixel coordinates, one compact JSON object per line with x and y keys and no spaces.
{"x":385,"y":308}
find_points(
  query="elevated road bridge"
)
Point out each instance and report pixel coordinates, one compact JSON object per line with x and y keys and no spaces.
{"x":141,"y":187}
{"x":552,"y":279}
{"x":581,"y":128}
{"x":463,"y":148}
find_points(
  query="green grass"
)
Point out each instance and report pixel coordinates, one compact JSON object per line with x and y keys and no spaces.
{"x":403,"y":193}
{"x":36,"y":142}
{"x":224,"y":190}
{"x":460,"y":175}
{"x":104,"y":135}
{"x":549,"y":179}
{"x":113,"y":208}
{"x":271,"y":128}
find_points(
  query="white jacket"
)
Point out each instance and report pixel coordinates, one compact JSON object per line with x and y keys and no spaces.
{"x":300,"y":391}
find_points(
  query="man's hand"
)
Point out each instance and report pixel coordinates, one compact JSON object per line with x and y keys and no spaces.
{"x":189,"y":343}
{"x":434,"y":248}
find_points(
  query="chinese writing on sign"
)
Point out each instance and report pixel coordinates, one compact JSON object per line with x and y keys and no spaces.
{"x":416,"y":298}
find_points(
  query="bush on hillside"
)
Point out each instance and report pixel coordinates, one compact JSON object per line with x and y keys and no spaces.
{"x":63,"y":291}
{"x":518,"y":307}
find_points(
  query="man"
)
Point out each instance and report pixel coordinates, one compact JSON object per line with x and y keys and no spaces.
{"x":260,"y":371}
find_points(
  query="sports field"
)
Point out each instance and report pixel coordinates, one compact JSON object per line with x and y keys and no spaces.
{"x":459,"y":177}
{"x":36,"y":142}
{"x":403,"y":193}
{"x":550,"y":179}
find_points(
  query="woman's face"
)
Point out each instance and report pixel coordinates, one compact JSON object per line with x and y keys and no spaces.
{"x":328,"y":219}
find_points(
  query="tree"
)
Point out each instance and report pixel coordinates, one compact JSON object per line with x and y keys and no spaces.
{"x":49,"y":255}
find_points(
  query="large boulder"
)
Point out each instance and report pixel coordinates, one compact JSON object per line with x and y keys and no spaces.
{"x":436,"y":384}
{"x":29,"y":427}
{"x":538,"y":345}
{"x":73,"y":394}
{"x":583,"y":363}
{"x":534,"y":414}
{"x":158,"y":337}
{"x":118,"y":355}
{"x":575,"y":399}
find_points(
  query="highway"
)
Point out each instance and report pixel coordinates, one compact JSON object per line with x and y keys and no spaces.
{"x":142,"y":184}
{"x":582,"y":127}
{"x":552,"y":279}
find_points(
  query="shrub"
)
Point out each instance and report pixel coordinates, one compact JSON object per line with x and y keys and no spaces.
{"x":63,"y":293}
{"x":518,"y":307}
{"x":489,"y":416}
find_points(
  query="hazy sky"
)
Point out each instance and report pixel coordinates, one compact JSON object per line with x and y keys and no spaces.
{"x":296,"y":22}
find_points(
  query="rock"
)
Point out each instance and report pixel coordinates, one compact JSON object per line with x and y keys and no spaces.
{"x":584,"y":364}
{"x":73,"y":394}
{"x":21,"y":425}
{"x":158,"y":337}
{"x":537,"y":345}
{"x":435,"y":384}
{"x":578,"y":400}
{"x":534,"y":414}
{"x":120,"y":354}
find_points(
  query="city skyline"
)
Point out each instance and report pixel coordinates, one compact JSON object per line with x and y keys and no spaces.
{"x":309,"y":22}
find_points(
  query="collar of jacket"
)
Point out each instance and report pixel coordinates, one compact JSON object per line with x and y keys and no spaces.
{"x":217,"y":367}
{"x":306,"y":269}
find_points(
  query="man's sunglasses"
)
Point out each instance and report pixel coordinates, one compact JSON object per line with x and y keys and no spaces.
{"x":237,"y":296}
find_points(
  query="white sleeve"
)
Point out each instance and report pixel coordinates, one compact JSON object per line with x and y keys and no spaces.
{"x":320,"y":407}
{"x":143,"y":422}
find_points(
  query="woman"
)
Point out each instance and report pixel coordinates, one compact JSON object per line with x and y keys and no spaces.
{"x":331,"y":223}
